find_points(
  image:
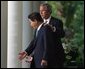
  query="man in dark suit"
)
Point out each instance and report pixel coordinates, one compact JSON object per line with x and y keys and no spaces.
{"x":43,"y":45}
{"x":57,"y":24}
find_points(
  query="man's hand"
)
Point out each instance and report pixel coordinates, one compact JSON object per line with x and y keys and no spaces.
{"x":22,"y":55}
{"x":44,"y":63}
{"x":29,"y":59}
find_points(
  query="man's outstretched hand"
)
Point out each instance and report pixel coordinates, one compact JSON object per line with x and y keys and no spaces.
{"x":22,"y":55}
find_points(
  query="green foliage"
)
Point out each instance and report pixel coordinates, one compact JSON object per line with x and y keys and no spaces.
{"x":72,"y":15}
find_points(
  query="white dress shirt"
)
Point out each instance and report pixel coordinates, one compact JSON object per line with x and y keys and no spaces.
{"x":39,"y":28}
{"x":47,"y":20}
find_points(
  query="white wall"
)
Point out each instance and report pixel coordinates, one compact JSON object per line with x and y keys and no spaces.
{"x":3,"y":34}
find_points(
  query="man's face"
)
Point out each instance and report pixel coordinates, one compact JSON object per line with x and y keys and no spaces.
{"x":44,"y":12}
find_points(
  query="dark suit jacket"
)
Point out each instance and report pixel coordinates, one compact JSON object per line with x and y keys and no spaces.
{"x":59,"y":27}
{"x":48,"y":45}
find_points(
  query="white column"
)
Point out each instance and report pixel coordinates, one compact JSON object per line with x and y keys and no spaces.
{"x":14,"y":33}
{"x":27,"y":30}
{"x":3,"y":34}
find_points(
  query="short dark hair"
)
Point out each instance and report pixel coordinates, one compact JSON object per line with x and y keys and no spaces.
{"x":49,"y":7}
{"x":35,"y":16}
